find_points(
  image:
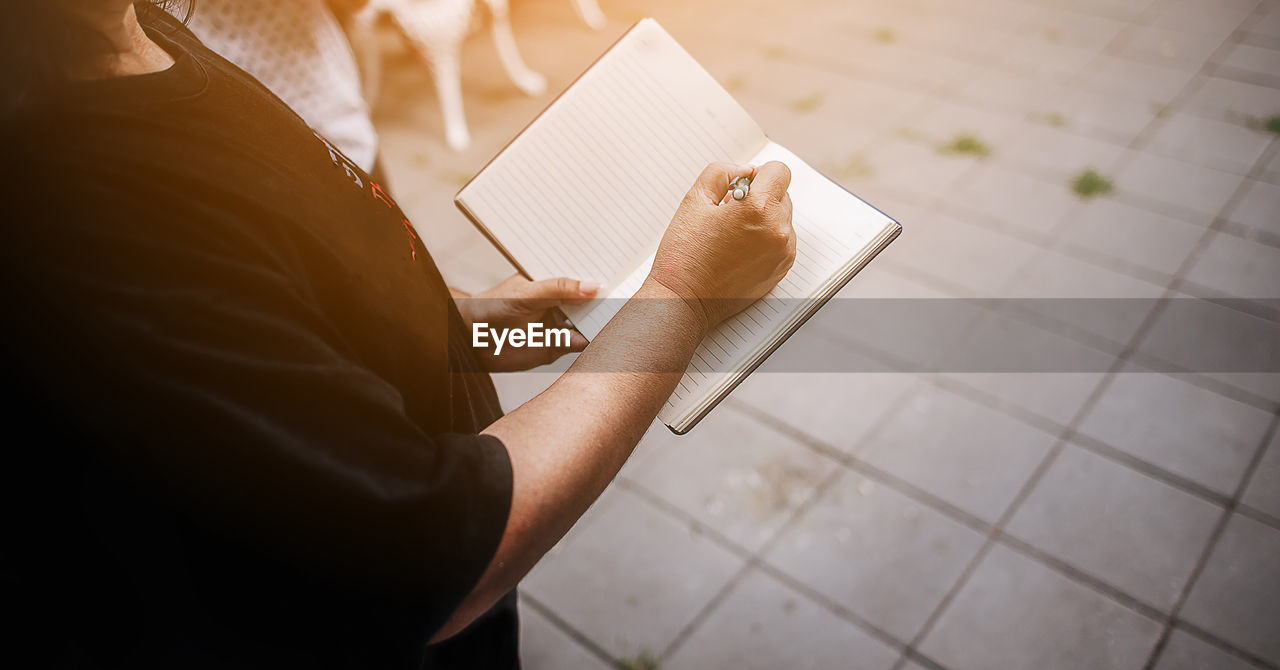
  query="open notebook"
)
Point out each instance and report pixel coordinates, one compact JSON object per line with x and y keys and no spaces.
{"x":587,"y":189}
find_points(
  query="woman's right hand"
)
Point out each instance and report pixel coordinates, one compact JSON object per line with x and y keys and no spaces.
{"x":721,"y":255}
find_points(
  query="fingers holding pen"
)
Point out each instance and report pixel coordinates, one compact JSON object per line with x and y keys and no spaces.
{"x":713,"y":182}
{"x":771,"y":180}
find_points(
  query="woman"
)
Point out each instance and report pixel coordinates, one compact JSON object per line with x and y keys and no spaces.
{"x":256,"y":434}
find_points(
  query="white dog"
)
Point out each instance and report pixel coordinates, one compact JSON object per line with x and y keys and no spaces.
{"x":437,"y":28}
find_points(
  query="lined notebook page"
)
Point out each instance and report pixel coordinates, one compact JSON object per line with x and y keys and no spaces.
{"x":587,"y":189}
{"x":833,"y":228}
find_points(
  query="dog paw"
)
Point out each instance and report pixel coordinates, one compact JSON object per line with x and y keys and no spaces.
{"x":530,"y":83}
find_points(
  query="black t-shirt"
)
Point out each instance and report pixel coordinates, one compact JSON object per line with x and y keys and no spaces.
{"x":242,"y":416}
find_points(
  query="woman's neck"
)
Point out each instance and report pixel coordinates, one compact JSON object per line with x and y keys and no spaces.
{"x":130,"y":50}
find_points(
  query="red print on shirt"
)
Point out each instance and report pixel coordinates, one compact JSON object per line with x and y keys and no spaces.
{"x":379,"y":193}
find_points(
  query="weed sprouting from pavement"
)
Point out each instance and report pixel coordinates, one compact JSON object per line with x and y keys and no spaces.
{"x":1269,"y":124}
{"x":645,"y":660}
{"x":1091,"y":184}
{"x":806,"y":105}
{"x":967,"y":145}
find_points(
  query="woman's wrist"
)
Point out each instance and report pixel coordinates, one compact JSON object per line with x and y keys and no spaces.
{"x":687,"y":310}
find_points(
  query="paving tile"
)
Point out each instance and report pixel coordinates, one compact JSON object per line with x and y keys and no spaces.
{"x":1272,"y":174}
{"x":875,"y":106}
{"x":1257,"y":208}
{"x":1227,"y":99}
{"x":1084,"y":297}
{"x":1106,"y":116}
{"x":1184,"y":652}
{"x":1188,"y":187}
{"x":1077,"y":25}
{"x":1266,"y":28}
{"x":759,"y":81}
{"x":1016,"y":200}
{"x":765,"y":625}
{"x":1052,"y":60}
{"x":1238,"y":268}
{"x":914,"y":167}
{"x":965,"y":454}
{"x":1137,"y":81}
{"x":1264,"y":487}
{"x":1191,"y":15}
{"x":1253,"y":59}
{"x":1237,"y":597}
{"x":1056,"y":396}
{"x":836,"y":408}
{"x":831,"y":347}
{"x":1184,"y":429}
{"x":882,"y":282}
{"x":950,"y":120}
{"x":1130,"y":531}
{"x":924,"y":70}
{"x":1268,"y":25}
{"x":1265,"y":385}
{"x":545,"y":647}
{"x":1177,"y":49}
{"x":1219,"y":340}
{"x":836,"y":42}
{"x":1130,"y":235}
{"x":1015,"y":613}
{"x":971,"y":36}
{"x":633,"y":578}
{"x":979,"y":262}
{"x":896,"y":324}
{"x":828,"y":118}
{"x":1029,"y":96}
{"x":735,"y":475}
{"x":1061,"y":154}
{"x":882,"y":555}
{"x":1209,"y":142}
{"x":1009,"y":342}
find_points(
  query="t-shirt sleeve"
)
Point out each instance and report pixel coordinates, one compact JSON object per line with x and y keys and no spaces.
{"x":209,"y":373}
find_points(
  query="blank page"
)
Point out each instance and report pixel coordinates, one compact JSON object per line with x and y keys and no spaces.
{"x":587,"y":189}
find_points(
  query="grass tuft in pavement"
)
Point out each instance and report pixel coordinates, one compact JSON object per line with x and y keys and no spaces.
{"x":967,"y":145}
{"x":643,"y":661}
{"x":1055,"y":119}
{"x":806,"y":105}
{"x":1091,"y":184}
{"x":1270,"y":124}
{"x":856,"y":167}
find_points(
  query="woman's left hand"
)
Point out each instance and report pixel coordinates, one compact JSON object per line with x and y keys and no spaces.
{"x":514,"y":305}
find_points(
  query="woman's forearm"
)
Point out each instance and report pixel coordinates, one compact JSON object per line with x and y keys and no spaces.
{"x":568,"y":443}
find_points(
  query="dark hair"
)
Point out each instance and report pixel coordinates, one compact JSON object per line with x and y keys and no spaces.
{"x":40,"y":46}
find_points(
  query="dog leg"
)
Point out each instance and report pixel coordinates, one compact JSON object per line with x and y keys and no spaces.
{"x":525,"y":79}
{"x":361,"y":31}
{"x":446,"y":68}
{"x":589,"y":11}
{"x":437,"y":28}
